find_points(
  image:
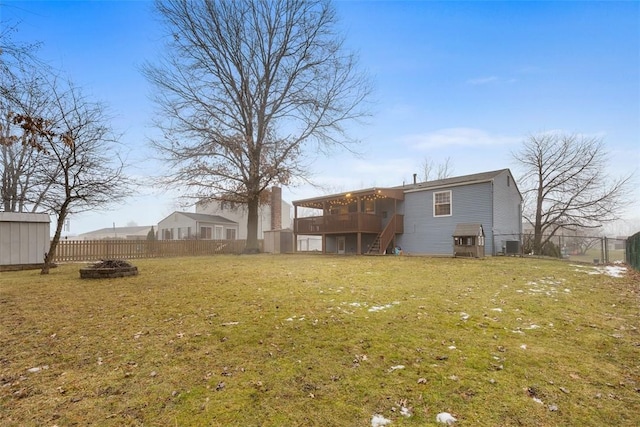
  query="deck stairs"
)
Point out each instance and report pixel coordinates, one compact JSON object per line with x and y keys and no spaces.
{"x":382,"y":240}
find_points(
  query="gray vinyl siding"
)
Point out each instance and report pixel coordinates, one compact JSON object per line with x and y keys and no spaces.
{"x":426,"y":234}
{"x":507,"y":210}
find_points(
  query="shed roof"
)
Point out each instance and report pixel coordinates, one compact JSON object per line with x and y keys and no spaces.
{"x":463,"y":230}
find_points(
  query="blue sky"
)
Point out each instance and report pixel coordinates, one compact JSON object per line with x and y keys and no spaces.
{"x":467,"y":81}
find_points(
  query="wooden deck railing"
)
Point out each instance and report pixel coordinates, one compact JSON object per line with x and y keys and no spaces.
{"x":94,"y":250}
{"x":340,"y":223}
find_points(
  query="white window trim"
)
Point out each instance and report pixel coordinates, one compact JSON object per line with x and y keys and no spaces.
{"x":218,"y":232}
{"x":450,"y":204}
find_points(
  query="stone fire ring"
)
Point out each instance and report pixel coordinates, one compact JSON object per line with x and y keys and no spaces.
{"x":108,"y":270}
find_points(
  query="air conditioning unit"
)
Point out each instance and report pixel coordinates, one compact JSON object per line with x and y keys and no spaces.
{"x":511,"y":247}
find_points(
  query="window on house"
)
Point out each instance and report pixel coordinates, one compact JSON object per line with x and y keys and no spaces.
{"x":231,"y":234}
{"x":508,"y":181}
{"x":442,"y":203}
{"x":219,"y":230}
{"x":205,"y":232}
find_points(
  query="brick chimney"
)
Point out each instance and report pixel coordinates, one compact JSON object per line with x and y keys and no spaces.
{"x":276,"y":208}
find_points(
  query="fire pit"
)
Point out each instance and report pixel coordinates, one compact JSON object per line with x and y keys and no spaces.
{"x":107,"y":269}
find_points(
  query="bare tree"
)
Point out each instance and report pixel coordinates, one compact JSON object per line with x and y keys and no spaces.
{"x":431,"y":171}
{"x":247,"y":90}
{"x":565,"y":185}
{"x":21,"y":100}
{"x":83,"y":169}
{"x":24,"y":185}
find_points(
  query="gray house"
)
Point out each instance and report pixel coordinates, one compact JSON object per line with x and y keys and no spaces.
{"x":187,"y":225}
{"x":421,"y":218}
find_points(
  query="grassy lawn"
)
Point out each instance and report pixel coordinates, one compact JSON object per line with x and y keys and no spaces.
{"x":321,"y":341}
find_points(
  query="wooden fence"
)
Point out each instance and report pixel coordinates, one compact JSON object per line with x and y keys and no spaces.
{"x":95,"y":250}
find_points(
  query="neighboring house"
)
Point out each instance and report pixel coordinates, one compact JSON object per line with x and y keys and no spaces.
{"x":421,"y":218}
{"x":187,"y":225}
{"x":116,"y":233}
{"x":280,"y":220}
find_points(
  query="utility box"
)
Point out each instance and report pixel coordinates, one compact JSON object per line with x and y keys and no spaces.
{"x":468,"y":241}
{"x":24,"y":239}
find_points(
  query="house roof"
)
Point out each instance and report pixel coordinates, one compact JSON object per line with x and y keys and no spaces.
{"x":457,"y":180}
{"x":468,"y":230}
{"x":205,"y":218}
{"x":398,"y":192}
{"x":351,"y":196}
{"x":129,"y":231}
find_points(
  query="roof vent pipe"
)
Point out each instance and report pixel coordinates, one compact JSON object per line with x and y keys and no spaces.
{"x":415,"y":177}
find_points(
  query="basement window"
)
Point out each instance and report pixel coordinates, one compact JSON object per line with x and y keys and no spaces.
{"x":442,"y":203}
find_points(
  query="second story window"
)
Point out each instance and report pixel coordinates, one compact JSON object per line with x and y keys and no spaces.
{"x":442,"y":203}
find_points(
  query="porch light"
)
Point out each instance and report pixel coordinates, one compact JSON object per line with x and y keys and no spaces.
{"x":348,"y":195}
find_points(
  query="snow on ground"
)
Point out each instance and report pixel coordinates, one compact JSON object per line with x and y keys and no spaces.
{"x":379,"y":421}
{"x":609,"y":270}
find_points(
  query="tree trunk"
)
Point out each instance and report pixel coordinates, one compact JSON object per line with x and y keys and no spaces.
{"x":48,"y":258}
{"x":252,"y":226}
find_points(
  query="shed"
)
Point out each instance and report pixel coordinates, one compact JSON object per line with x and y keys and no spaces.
{"x":468,"y":240}
{"x":24,"y":239}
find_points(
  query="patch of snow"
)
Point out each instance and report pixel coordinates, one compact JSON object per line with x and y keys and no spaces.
{"x":405,"y":412}
{"x":379,"y":307}
{"x":230,"y":323}
{"x":445,"y":418}
{"x":452,"y":347}
{"x":37,"y":369}
{"x":523,"y":346}
{"x":497,"y":309}
{"x":535,"y":399}
{"x":614,"y":271}
{"x":533,"y":326}
{"x":395,"y":368}
{"x":609,"y":270}
{"x":379,"y":421}
{"x":464,"y":316}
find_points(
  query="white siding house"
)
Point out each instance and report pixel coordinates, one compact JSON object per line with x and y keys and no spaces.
{"x":187,"y":225}
{"x":238,"y":214}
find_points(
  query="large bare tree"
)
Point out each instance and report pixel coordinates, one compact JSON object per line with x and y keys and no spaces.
{"x":566,"y":186}
{"x":246,"y":90}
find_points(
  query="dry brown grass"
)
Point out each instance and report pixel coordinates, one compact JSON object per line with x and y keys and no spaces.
{"x":318,"y":340}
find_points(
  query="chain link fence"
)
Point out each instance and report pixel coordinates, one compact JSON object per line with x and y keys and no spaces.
{"x":575,"y":247}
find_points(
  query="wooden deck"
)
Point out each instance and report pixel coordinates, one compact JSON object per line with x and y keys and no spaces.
{"x":340,"y":223}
